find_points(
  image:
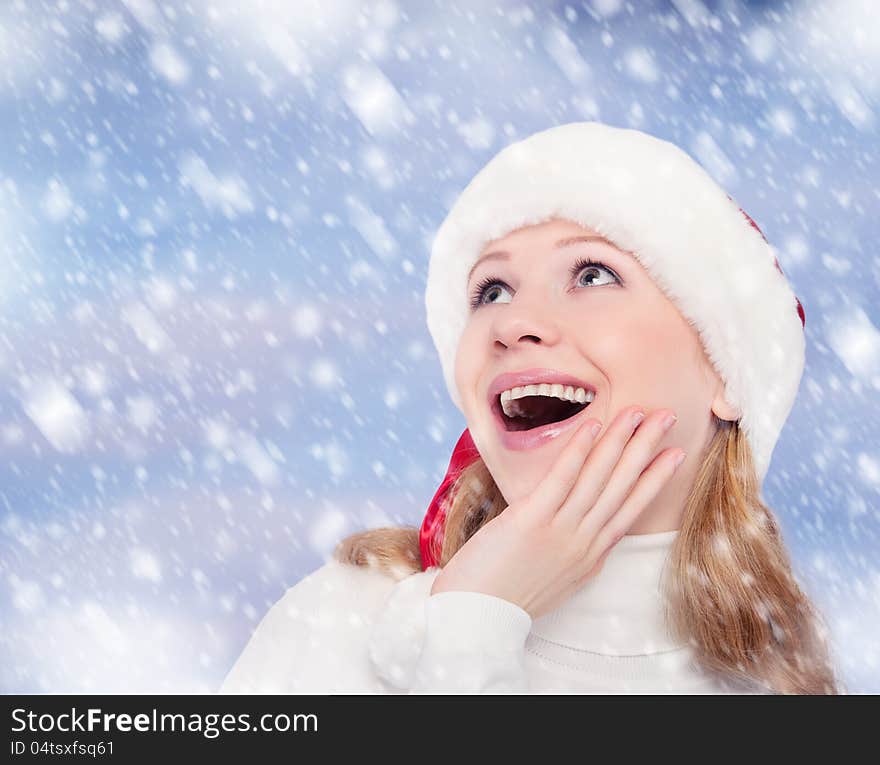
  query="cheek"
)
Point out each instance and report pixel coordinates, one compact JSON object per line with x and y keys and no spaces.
{"x":467,"y":365}
{"x":642,"y":350}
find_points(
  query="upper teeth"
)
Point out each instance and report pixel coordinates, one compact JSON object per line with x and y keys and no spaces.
{"x":565,"y":392}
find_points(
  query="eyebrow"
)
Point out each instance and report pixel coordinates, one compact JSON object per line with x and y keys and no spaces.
{"x":504,"y":255}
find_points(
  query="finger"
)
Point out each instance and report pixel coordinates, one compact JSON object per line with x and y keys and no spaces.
{"x":637,"y":454}
{"x":595,"y":471}
{"x":597,"y":566}
{"x":655,"y":477}
{"x":551,"y":492}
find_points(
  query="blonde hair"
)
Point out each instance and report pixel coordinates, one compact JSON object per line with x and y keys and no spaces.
{"x":730,"y":590}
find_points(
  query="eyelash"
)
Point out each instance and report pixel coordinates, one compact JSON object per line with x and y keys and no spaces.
{"x":491,"y":281}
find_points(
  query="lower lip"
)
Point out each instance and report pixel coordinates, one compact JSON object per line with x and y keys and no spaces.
{"x":520,"y":440}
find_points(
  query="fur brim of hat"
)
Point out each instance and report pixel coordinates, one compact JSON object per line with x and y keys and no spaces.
{"x":650,"y":198}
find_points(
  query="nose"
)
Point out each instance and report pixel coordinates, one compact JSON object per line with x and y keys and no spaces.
{"x":525,"y":323}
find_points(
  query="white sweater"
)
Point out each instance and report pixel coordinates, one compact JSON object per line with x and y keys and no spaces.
{"x":351,"y":629}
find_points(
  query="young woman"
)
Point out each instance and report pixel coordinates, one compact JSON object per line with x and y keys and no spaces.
{"x":588,"y":274}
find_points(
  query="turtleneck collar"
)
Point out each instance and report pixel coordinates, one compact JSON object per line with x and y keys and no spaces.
{"x":620,"y":610}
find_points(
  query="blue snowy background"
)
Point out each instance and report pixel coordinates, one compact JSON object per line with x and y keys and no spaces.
{"x":215,"y":221}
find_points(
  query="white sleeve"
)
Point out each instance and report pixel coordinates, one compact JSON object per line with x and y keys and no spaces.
{"x":314,"y":639}
{"x":473,"y":643}
{"x":257,"y":669}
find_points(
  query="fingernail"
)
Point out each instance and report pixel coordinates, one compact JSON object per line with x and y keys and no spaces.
{"x":669,"y":421}
{"x":637,"y":418}
{"x":679,"y":459}
{"x":595,"y":428}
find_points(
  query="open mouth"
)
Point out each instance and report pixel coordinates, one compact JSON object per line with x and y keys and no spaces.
{"x":537,"y":411}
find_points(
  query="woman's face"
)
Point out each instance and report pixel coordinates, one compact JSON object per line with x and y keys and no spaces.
{"x":609,"y":326}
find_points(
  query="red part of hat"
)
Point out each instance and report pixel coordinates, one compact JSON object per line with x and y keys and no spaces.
{"x":434,"y":523}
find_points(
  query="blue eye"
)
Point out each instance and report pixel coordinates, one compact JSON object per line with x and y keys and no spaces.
{"x":490,"y":281}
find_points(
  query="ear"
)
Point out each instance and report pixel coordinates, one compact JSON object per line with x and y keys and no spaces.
{"x":721,"y":408}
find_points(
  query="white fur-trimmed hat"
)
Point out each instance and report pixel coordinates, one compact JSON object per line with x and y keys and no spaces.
{"x":650,"y":198}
